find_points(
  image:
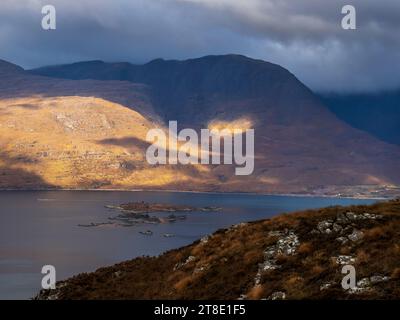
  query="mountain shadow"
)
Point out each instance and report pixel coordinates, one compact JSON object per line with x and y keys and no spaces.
{"x":375,"y":113}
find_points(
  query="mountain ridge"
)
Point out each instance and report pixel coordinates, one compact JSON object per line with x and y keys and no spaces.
{"x":193,"y":81}
{"x":8,"y":67}
{"x":301,"y":147}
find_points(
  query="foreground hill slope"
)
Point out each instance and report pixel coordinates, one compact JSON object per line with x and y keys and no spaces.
{"x":291,"y":256}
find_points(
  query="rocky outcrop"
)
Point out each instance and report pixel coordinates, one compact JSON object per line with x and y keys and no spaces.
{"x":286,"y":245}
{"x":344,"y":226}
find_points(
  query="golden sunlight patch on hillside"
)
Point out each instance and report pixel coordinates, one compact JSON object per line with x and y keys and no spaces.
{"x":238,"y":124}
{"x":76,"y":142}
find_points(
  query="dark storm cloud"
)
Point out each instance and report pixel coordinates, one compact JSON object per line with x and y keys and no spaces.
{"x":304,"y":36}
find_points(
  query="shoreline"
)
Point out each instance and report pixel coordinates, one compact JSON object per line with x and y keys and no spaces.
{"x":304,"y":195}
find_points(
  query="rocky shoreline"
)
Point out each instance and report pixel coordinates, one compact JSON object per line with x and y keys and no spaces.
{"x":388,"y":194}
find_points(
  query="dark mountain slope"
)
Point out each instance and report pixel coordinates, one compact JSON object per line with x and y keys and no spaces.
{"x":378,"y":114}
{"x":300,"y":143}
{"x":9,"y":68}
{"x":182,"y":88}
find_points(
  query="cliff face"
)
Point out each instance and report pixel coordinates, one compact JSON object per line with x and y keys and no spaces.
{"x":88,"y":130}
{"x":293,"y":256}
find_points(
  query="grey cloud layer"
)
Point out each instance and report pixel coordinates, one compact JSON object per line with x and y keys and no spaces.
{"x":304,"y":36}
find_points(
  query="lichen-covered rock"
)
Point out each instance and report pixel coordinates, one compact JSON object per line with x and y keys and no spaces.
{"x":341,"y":218}
{"x":356,"y":235}
{"x":337,"y":227}
{"x":364,"y":283}
{"x":205,"y":239}
{"x":286,"y":245}
{"x":181,"y":264}
{"x":342,"y":240}
{"x":358,"y":290}
{"x":372,"y":216}
{"x":351,"y":216}
{"x":342,"y":260}
{"x":325,"y":226}
{"x":325,"y":286}
{"x":378,"y":279}
{"x":279,"y":295}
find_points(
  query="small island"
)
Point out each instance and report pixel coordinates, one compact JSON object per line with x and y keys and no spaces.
{"x":134,"y":213}
{"x":141,"y":207}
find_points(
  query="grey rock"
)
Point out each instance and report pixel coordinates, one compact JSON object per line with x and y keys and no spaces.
{"x":342,"y":240}
{"x":378,"y":279}
{"x":347,"y":229}
{"x":190,"y":259}
{"x":200,"y":269}
{"x":364,"y":216}
{"x":279,"y":295}
{"x":364,"y":283}
{"x":325,"y":286}
{"x":325,"y":226}
{"x":286,"y":245}
{"x":358,"y":290}
{"x":117,"y":274}
{"x":342,"y":260}
{"x":169,"y":235}
{"x":275,"y":233}
{"x":337,"y":227}
{"x":372,"y":216}
{"x":181,"y":264}
{"x":341,"y":218}
{"x":351,"y":216}
{"x":356,"y":235}
{"x":205,"y":239}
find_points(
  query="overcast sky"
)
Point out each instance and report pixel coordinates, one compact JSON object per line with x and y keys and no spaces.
{"x":304,"y":36}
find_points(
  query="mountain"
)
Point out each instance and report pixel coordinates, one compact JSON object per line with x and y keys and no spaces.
{"x":7,"y":68}
{"x":181,"y":88}
{"x":375,"y":113}
{"x":92,"y":118}
{"x":294,"y":256}
{"x":74,"y":134}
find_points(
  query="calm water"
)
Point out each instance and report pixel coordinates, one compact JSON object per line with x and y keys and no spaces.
{"x":41,"y":228}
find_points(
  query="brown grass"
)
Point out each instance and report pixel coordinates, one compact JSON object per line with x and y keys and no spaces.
{"x":183,"y":283}
{"x":256,"y":293}
{"x":305,"y":248}
{"x":374,"y":233}
{"x":317,"y":269}
{"x":362,"y":257}
{"x":396,"y":273}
